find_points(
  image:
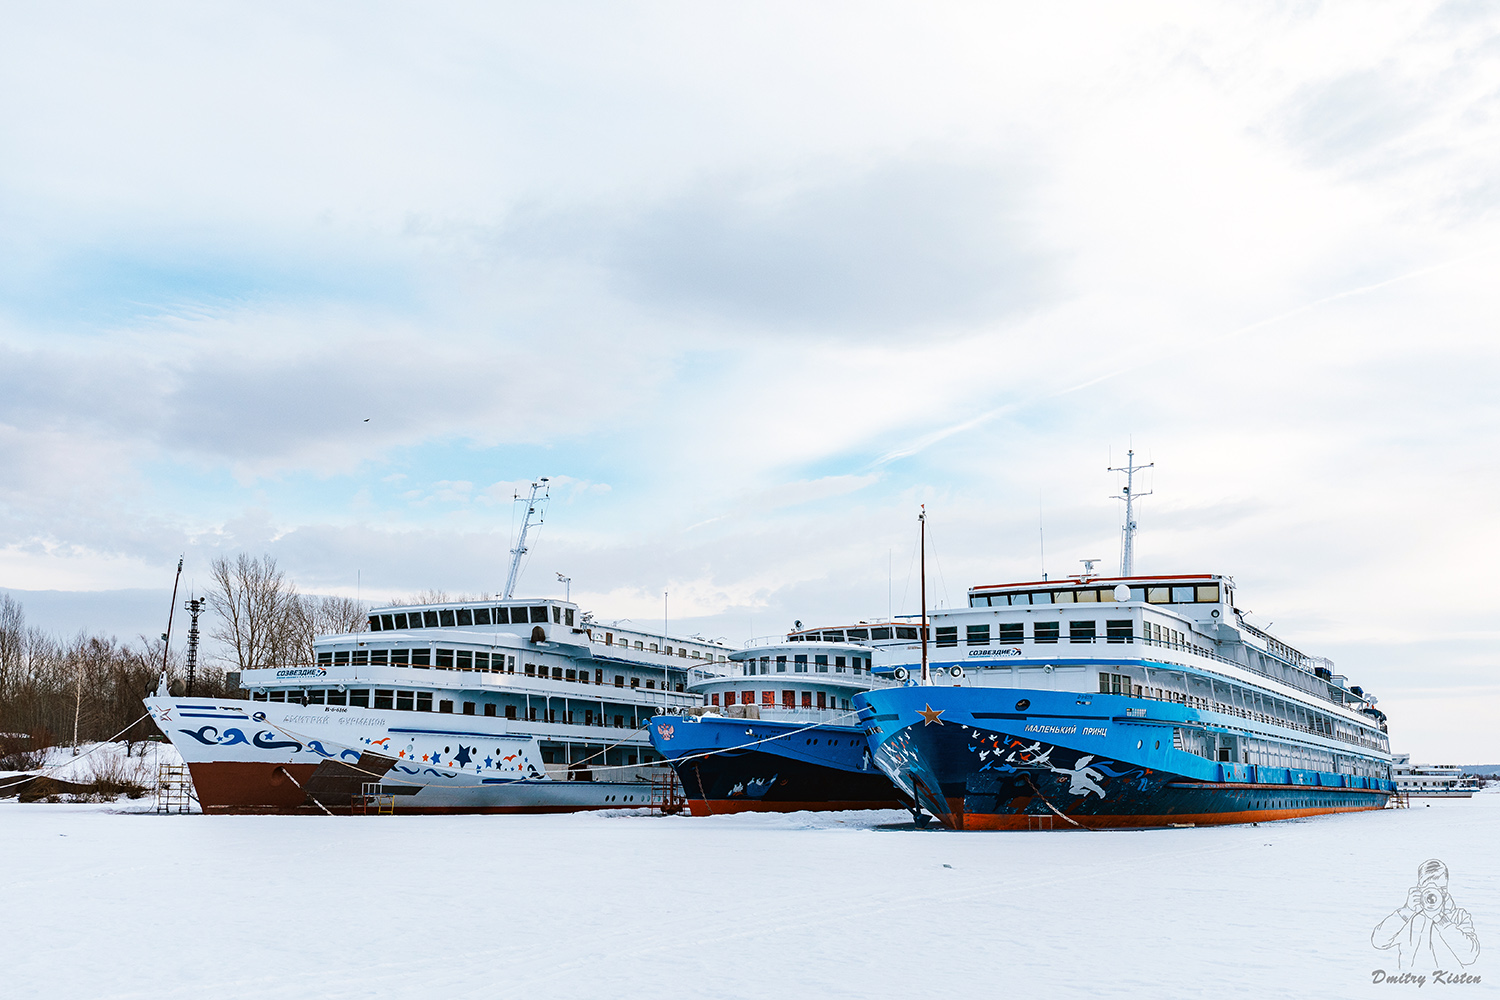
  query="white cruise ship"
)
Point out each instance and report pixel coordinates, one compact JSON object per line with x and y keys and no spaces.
{"x":1445,"y":781}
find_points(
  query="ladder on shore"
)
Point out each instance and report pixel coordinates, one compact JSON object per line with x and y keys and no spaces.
{"x":666,"y":794}
{"x":372,"y":801}
{"x":174,"y":788}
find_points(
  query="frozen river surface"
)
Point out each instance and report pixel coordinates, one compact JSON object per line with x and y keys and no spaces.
{"x":100,"y":903}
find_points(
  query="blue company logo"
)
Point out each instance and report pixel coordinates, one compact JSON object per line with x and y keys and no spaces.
{"x":1009,"y":651}
{"x":302,"y":672}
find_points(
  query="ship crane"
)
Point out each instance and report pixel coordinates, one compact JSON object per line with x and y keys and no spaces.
{"x":536,"y":506}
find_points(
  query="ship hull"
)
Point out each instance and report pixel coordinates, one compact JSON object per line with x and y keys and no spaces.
{"x":258,"y":757}
{"x":1069,"y":762}
{"x":750,"y":765}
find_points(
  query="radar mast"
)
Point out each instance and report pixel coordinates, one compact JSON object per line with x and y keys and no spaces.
{"x":536,"y":506}
{"x":1127,"y":544}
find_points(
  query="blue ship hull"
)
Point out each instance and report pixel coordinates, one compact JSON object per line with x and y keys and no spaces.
{"x":743,"y":765}
{"x":1018,"y":759}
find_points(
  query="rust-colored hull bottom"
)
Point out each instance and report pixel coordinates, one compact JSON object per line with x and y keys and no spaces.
{"x":1048,"y":821}
{"x":719,"y":807}
{"x":254,"y":787}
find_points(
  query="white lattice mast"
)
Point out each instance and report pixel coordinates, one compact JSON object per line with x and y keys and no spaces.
{"x":536,"y":506}
{"x":1127,"y":544}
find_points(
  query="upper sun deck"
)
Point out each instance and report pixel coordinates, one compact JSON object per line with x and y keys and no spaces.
{"x":863,"y":633}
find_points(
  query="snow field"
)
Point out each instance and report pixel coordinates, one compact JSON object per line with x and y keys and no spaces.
{"x":118,"y":903}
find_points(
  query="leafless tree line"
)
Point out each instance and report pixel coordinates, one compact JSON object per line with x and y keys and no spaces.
{"x":48,"y":685}
{"x":259,"y":620}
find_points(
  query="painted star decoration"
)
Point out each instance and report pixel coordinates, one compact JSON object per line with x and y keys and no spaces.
{"x":930,"y":715}
{"x":462,"y":757}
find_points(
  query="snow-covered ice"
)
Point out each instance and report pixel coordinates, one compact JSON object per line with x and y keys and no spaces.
{"x":105,"y":902}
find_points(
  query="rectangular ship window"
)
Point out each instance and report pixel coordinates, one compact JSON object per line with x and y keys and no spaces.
{"x":401,"y":621}
{"x":1081,"y":631}
{"x":1087,"y":596}
{"x":947,"y":635}
{"x":383,"y":698}
{"x":464,"y":616}
{"x":335,"y":696}
{"x":1182,"y":595}
{"x":821,"y":662}
{"x":978,"y":635}
{"x":421,"y":658}
{"x":424,"y":701}
{"x":482,"y":662}
{"x":379,"y":656}
{"x":464,"y":659}
{"x":1208,"y":594}
{"x":325,"y":659}
{"x":1045,"y":632}
{"x":1012,"y":632}
{"x":906,"y":632}
{"x":1158,"y":595}
{"x":481,"y":616}
{"x":361,"y":656}
{"x":445,"y":659}
{"x":341,"y":657}
{"x":1118,"y":631}
{"x":1062,"y":597}
{"x":500,"y":616}
{"x":360,"y":698}
{"x":315,"y":697}
{"x":403,"y":701}
{"x":386,"y":623}
{"x":799,"y":663}
{"x":445,"y":618}
{"x":430,"y":619}
{"x":400,"y":657}
{"x":539,"y":614}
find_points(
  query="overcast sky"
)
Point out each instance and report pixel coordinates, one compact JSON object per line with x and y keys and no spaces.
{"x":751,"y":284}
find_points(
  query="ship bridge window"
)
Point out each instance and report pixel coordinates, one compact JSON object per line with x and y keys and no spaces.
{"x":1012,"y":632}
{"x":947,"y":635}
{"x":977,"y":601}
{"x":1208,"y":594}
{"x":1062,"y":597}
{"x":387,"y":623}
{"x":880,"y":633}
{"x":905,"y":632}
{"x":1045,"y":632}
{"x":464,"y":616}
{"x":445,"y":618}
{"x":978,"y":635}
{"x":833,"y":636}
{"x":1014,"y":599}
{"x":1081,"y":631}
{"x":821,"y":662}
{"x":1041,"y":597}
{"x":430,"y":619}
{"x":499,"y":616}
{"x":538,"y":614}
{"x":1087,"y":596}
{"x":374,"y":623}
{"x":1182,"y":595}
{"x":481,"y":616}
{"x":857,"y":633}
{"x":400,"y":621}
{"x":556,"y":615}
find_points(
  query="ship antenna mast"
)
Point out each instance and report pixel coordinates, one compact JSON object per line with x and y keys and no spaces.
{"x":1127,"y":544}
{"x":922,"y":521}
{"x":536,"y":505}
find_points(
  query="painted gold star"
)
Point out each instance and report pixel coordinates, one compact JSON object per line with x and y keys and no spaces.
{"x":930,"y":715}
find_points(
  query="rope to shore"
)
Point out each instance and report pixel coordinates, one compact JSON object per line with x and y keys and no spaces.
{"x":45,"y":772}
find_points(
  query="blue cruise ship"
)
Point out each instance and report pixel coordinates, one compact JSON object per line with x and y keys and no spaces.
{"x":779,"y":733}
{"x":1133,"y":701}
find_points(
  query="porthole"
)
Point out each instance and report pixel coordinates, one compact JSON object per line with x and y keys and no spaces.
{"x":1137,"y":744}
{"x":1157,"y":746}
{"x":1023,"y":704}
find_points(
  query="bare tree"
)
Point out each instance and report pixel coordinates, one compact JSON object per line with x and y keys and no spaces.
{"x":258,"y":609}
{"x":315,"y":616}
{"x":12,"y":642}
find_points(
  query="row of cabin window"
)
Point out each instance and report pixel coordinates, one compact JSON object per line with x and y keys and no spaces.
{"x":859,"y":634}
{"x":609,"y":640}
{"x":422,"y":701}
{"x":799,"y":663}
{"x":1204,"y":594}
{"x":443,"y":659}
{"x":458,"y":617}
{"x":1248,"y":703}
{"x":788,"y":699}
{"x":1015,"y":632}
{"x":464,"y":659}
